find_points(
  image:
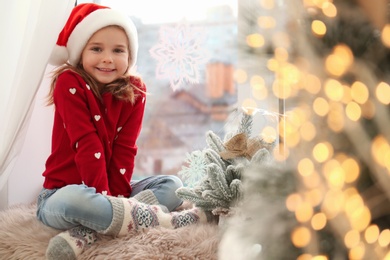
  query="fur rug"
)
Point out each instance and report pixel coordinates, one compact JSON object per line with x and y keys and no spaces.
{"x":22,"y":236}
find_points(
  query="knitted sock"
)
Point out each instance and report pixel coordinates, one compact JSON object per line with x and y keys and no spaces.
{"x":68,"y":245}
{"x":130,"y":214}
{"x":148,"y":197}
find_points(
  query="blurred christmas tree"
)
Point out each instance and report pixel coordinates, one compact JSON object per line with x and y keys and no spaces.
{"x":328,"y":194}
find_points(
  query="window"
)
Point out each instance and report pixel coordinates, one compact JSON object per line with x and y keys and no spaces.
{"x":187,"y":57}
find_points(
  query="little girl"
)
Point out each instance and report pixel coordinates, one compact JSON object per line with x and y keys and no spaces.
{"x":99,"y":109}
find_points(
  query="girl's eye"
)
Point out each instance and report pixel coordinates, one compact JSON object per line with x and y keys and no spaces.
{"x":119,"y":50}
{"x":96,"y":49}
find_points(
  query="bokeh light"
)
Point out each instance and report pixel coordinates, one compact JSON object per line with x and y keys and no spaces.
{"x":304,"y":212}
{"x":384,"y":238}
{"x":359,"y":92}
{"x":266,"y":22}
{"x":372,"y":234}
{"x":334,"y":90}
{"x":318,"y":221}
{"x":339,"y":60}
{"x":321,"y":106}
{"x":322,"y":151}
{"x":353,"y":111}
{"x":329,"y":9}
{"x":318,"y":28}
{"x":255,"y":40}
{"x":301,"y":237}
{"x":352,"y":238}
{"x":383,"y":93}
{"x":385,"y":35}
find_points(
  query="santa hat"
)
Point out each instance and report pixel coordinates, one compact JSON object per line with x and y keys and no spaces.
{"x":83,"y":22}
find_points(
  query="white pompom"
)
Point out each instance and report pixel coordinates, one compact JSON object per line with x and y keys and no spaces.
{"x":59,"y":56}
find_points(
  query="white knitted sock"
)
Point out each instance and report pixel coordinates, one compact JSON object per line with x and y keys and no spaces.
{"x":130,"y":214}
{"x":148,"y":197}
{"x":68,"y":245}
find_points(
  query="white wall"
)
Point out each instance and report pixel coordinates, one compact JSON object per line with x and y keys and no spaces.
{"x":26,"y":179}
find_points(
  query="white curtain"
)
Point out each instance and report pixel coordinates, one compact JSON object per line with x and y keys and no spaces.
{"x":28,"y":31}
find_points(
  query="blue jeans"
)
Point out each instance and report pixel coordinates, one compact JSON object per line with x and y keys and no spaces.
{"x":77,"y":204}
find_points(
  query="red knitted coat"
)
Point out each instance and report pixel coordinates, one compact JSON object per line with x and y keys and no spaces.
{"x":93,"y":141}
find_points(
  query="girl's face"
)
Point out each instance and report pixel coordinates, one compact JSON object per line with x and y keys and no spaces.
{"x":106,"y":55}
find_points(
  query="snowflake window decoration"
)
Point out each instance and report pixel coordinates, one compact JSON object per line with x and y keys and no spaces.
{"x":195,"y":170}
{"x":179,"y":53}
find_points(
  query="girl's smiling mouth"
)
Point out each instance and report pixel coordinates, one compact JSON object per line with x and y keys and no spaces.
{"x":105,"y":69}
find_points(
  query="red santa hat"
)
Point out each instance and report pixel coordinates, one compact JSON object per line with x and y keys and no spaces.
{"x":83,"y":22}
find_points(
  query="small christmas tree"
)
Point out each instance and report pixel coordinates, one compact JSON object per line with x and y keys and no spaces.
{"x":218,"y":169}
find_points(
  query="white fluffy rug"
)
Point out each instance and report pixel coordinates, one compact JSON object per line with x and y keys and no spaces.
{"x":22,"y":236}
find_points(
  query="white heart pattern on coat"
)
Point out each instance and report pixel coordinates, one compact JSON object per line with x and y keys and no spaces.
{"x":119,"y":128}
{"x":123,"y":170}
{"x":88,"y":87}
{"x":72,"y":90}
{"x":97,"y":117}
{"x":97,"y":155}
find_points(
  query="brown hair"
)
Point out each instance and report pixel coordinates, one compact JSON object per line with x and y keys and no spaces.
{"x":121,"y":88}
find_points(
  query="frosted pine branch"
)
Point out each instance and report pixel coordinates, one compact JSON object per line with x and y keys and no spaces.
{"x":211,"y":195}
{"x":218,"y":181}
{"x":236,"y":190}
{"x":212,"y":156}
{"x":214,"y":142}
